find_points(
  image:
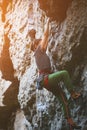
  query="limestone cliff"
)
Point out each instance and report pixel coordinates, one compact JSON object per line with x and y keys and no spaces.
{"x":67,"y":49}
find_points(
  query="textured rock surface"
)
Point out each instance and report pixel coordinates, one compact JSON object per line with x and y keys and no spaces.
{"x":56,"y":10}
{"x":67,"y":50}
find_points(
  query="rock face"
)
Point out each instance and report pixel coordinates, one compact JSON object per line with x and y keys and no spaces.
{"x":67,"y":49}
{"x":9,"y":86}
{"x":56,"y":10}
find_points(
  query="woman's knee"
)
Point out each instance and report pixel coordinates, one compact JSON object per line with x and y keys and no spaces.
{"x":65,"y":72}
{"x":59,"y":74}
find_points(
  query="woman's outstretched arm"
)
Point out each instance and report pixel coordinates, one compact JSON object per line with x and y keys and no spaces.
{"x":44,"y":41}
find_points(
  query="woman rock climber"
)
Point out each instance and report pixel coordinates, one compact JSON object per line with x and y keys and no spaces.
{"x":50,"y":80}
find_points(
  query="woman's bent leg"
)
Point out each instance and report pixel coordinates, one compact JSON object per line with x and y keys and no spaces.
{"x":64,"y":103}
{"x":61,"y":76}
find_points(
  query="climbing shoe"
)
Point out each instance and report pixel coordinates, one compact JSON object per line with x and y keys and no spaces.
{"x":73,"y":124}
{"x":75,"y":95}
